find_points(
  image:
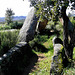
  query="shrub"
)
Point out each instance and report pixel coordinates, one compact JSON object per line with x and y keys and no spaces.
{"x":16,"y":25}
{"x":8,"y":39}
{"x":4,"y":27}
{"x":13,"y":25}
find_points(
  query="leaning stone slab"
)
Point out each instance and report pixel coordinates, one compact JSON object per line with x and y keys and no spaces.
{"x":28,"y":30}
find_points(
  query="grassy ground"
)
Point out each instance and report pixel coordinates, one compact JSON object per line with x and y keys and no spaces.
{"x":70,"y":70}
{"x":42,"y":67}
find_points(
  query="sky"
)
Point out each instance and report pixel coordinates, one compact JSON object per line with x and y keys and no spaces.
{"x":19,"y":7}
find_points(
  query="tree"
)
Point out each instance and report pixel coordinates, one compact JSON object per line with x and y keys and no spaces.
{"x":52,"y":9}
{"x":9,"y":16}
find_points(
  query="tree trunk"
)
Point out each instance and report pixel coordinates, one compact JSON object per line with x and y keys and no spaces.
{"x":68,"y":47}
{"x":65,"y":35}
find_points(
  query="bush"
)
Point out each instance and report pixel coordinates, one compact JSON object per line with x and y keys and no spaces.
{"x":16,"y":25}
{"x":7,"y":40}
{"x":4,"y":27}
{"x":13,"y":25}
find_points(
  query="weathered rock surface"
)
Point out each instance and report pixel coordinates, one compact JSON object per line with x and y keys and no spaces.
{"x":16,"y":59}
{"x":57,"y":60}
{"x":28,"y":30}
{"x":57,"y":41}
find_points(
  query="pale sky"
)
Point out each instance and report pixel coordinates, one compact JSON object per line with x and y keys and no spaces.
{"x":19,"y":7}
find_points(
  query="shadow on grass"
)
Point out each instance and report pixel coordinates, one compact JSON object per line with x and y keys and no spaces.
{"x":29,"y":68}
{"x":39,"y":48}
{"x":49,"y":32}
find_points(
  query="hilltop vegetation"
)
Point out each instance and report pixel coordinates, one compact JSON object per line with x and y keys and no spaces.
{"x":16,"y":18}
{"x":16,"y":24}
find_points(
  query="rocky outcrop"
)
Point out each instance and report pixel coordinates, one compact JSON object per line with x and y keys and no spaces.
{"x":28,"y":30}
{"x":57,"y":60}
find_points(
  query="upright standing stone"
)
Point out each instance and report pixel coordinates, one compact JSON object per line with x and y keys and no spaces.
{"x":57,"y":60}
{"x":28,"y":30}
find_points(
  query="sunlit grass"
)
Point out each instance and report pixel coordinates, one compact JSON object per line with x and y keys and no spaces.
{"x":43,"y":67}
{"x":70,"y":70}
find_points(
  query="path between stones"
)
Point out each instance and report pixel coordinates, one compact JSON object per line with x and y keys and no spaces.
{"x":33,"y":66}
{"x":40,"y":58}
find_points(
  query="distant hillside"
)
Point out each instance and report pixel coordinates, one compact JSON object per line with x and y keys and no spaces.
{"x":19,"y":18}
{"x":2,"y":19}
{"x":16,"y":18}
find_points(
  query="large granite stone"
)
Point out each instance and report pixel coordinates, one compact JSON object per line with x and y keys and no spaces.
{"x":57,"y":60}
{"x":16,"y":59}
{"x":28,"y":29}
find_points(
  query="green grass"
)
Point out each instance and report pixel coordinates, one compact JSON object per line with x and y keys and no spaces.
{"x":74,"y":53}
{"x":43,"y":67}
{"x":70,"y":70}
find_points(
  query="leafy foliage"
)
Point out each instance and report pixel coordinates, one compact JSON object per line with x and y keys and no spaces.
{"x":13,"y":25}
{"x":4,"y":27}
{"x":16,"y":25}
{"x":49,"y":8}
{"x":7,"y":40}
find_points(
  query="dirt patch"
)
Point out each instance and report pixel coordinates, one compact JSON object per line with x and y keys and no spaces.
{"x":28,"y":69}
{"x":41,"y":57}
